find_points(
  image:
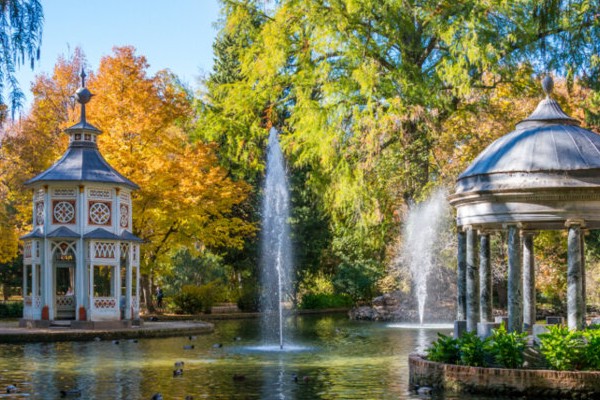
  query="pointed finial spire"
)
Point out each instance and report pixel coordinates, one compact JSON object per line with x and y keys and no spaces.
{"x":83,"y":95}
{"x":83,"y":76}
{"x":548,"y":85}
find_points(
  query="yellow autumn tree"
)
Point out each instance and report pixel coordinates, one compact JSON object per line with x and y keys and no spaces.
{"x":186,"y":200}
{"x":31,"y":145}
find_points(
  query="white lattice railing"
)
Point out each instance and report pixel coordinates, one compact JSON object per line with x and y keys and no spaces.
{"x":32,"y":307}
{"x":27,"y":250}
{"x":105,"y":304}
{"x":65,"y":302}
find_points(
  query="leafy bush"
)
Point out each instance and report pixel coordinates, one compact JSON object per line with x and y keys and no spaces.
{"x":507,"y":348}
{"x":563,"y":349}
{"x":12,"y":309}
{"x":446,"y":350}
{"x":472,"y":350}
{"x":358,"y":278}
{"x":209,"y":294}
{"x":592,"y":351}
{"x":189,"y":300}
{"x":316,"y":301}
{"x":248,"y":300}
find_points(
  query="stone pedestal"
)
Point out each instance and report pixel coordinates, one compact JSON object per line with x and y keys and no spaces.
{"x":460,"y":327}
{"x":34,"y":323}
{"x":484,"y":329}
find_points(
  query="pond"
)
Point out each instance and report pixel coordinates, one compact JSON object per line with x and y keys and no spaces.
{"x":332,"y":358}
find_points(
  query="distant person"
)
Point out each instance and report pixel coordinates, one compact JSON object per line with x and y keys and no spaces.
{"x":70,"y":291}
{"x":159,"y":297}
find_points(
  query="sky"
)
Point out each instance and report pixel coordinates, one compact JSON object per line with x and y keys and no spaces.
{"x":176,"y":34}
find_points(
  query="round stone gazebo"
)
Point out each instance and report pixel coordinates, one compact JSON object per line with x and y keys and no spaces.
{"x":544,"y":175}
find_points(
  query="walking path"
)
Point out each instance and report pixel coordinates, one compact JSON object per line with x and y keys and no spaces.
{"x":11,"y":333}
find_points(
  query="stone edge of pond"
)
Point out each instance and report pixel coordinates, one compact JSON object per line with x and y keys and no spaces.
{"x":25,"y":335}
{"x":424,"y":374}
{"x":236,"y":315}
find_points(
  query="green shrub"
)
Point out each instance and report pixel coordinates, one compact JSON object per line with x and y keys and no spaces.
{"x":592,"y":350}
{"x":562,"y":348}
{"x":12,"y":309}
{"x":189,"y":300}
{"x":445,"y":350}
{"x":210,"y":294}
{"x":316,"y":301}
{"x":506,"y":348}
{"x":249,"y":299}
{"x":472,"y":350}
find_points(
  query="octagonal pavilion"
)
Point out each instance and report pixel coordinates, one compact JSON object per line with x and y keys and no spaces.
{"x":81,"y":260}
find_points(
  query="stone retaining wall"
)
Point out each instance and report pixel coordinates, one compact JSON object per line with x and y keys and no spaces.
{"x":522,"y":382}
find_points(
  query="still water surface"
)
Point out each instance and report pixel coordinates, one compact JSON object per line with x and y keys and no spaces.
{"x":340,"y":359}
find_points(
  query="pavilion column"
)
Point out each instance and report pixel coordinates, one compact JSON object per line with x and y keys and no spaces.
{"x":461,"y":285}
{"x":574,"y":271}
{"x":583,"y":284}
{"x":485,"y":278}
{"x":515,"y":282}
{"x":529,"y":313}
{"x":128,"y":313}
{"x":472,"y":281}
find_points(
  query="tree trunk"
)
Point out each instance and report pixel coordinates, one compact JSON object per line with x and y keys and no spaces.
{"x":147,"y":292}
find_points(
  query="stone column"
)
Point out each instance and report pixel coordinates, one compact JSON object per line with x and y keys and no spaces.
{"x":472,"y":281}
{"x":485,"y":278}
{"x":574,"y":281}
{"x":528,"y":281}
{"x":515,"y":283}
{"x":461,"y":314}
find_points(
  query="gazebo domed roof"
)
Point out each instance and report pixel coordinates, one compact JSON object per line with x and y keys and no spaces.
{"x":545,"y":154}
{"x":544,"y":172}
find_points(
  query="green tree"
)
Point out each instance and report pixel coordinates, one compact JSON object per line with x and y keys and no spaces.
{"x":20,"y":40}
{"x":362,"y":91}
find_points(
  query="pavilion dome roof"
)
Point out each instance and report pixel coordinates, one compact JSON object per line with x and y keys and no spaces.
{"x":542,"y":175}
{"x":547,"y":149}
{"x":82,"y":161}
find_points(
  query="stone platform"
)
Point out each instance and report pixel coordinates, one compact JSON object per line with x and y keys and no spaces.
{"x":10,"y":332}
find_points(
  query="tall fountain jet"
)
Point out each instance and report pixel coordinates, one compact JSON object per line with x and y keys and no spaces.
{"x":422,"y":233}
{"x":276,"y":255}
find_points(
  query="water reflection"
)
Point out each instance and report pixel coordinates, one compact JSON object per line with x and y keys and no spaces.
{"x":334,"y":359}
